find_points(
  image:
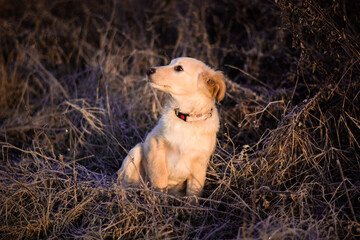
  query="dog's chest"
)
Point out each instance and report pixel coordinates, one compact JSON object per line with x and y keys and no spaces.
{"x":188,"y":138}
{"x":185,"y":144}
{"x":178,"y":168}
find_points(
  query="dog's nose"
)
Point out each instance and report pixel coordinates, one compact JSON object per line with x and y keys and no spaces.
{"x":151,"y":71}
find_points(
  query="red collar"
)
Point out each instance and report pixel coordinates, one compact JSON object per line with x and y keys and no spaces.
{"x":192,"y":117}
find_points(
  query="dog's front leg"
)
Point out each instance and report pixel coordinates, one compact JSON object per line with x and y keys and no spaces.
{"x":156,"y":163}
{"x":195,"y":182}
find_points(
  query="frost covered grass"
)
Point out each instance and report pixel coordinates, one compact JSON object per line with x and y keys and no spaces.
{"x":73,"y":101}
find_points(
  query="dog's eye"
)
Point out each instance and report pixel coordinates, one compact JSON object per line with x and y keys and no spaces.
{"x":178,"y":68}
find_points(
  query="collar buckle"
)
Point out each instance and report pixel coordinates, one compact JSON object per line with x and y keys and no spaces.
{"x":182,"y":116}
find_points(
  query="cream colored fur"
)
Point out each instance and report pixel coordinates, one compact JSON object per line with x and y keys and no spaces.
{"x":175,"y":154}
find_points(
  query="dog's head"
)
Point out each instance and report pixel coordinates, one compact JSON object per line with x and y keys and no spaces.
{"x":188,"y":76}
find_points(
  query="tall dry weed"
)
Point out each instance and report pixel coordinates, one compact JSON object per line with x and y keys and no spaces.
{"x":74,"y":100}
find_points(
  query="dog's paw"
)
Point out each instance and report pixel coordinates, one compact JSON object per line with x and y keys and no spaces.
{"x":192,"y":200}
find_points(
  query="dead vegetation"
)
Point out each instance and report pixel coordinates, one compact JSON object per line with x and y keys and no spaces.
{"x":73,"y":100}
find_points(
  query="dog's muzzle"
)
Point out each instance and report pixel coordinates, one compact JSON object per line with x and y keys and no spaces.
{"x":150,"y":71}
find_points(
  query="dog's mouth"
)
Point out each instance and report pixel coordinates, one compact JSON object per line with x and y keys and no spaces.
{"x":159,"y":86}
{"x":156,"y":84}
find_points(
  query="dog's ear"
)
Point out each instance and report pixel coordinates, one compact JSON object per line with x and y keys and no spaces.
{"x":215,"y":83}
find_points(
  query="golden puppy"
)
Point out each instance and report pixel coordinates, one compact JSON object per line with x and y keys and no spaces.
{"x":176,"y":152}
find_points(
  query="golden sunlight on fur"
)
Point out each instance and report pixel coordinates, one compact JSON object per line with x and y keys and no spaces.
{"x":176,"y":152}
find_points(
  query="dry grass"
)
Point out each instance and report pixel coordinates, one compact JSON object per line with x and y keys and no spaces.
{"x":73,"y":100}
